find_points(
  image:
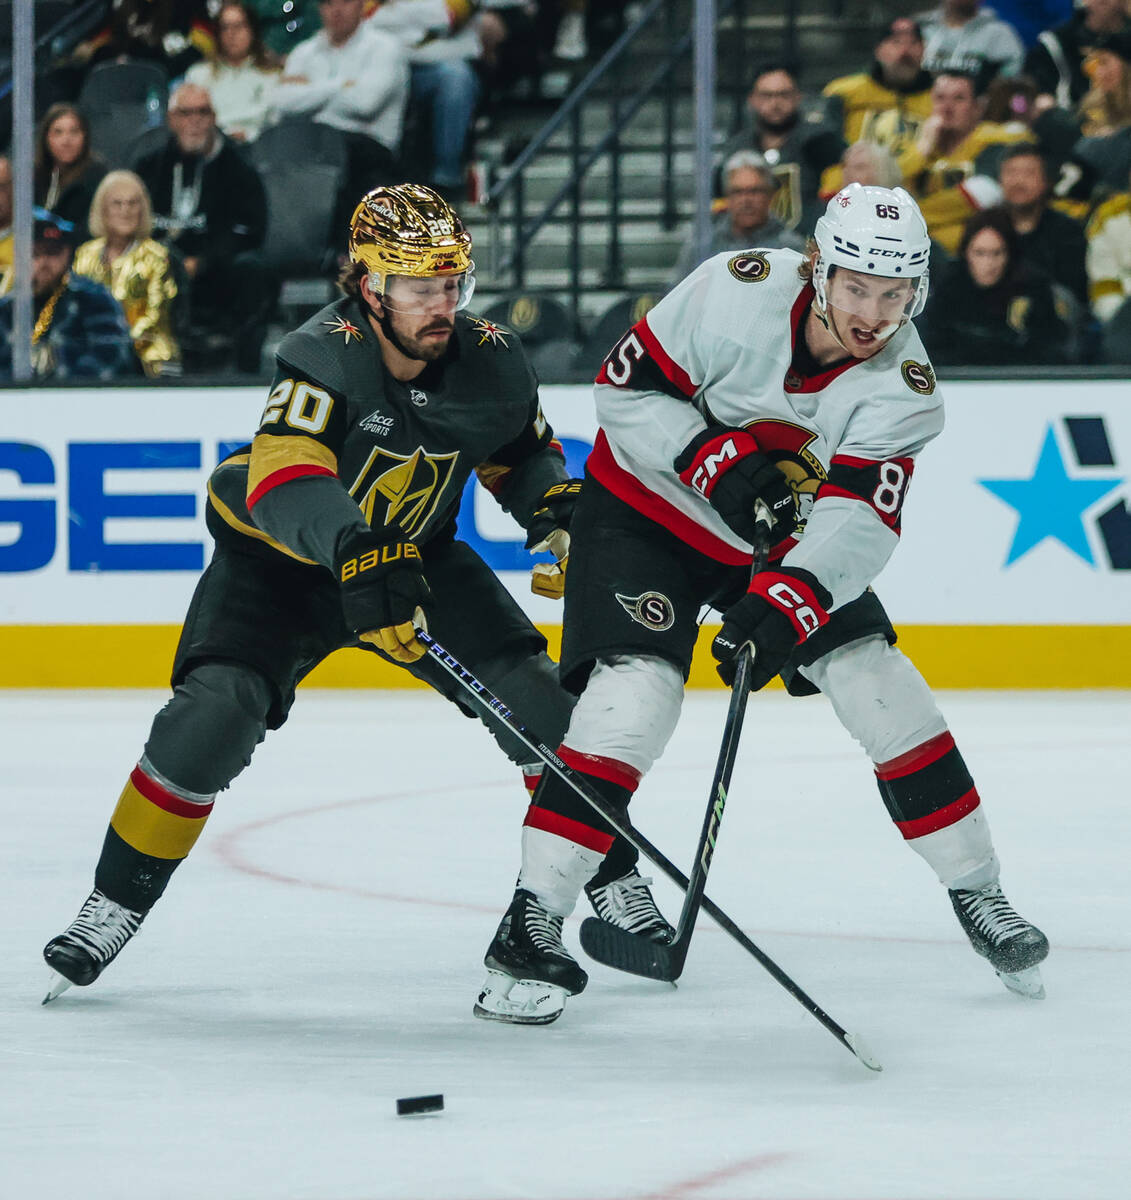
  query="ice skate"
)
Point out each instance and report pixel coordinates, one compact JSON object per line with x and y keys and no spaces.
{"x":529,"y":971}
{"x":1013,"y":947}
{"x":89,"y":944}
{"x":628,"y":904}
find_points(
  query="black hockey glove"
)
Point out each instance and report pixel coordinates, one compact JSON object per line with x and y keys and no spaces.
{"x":549,"y":530}
{"x":782,"y":608}
{"x":726,"y":466}
{"x":383,"y":593}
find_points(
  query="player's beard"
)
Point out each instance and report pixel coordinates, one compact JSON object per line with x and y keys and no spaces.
{"x":417,"y":345}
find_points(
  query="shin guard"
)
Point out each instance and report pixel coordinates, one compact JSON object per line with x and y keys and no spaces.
{"x":931,"y":797}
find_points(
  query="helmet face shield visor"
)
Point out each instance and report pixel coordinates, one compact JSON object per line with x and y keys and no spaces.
{"x":867,"y":309}
{"x":419,"y":296}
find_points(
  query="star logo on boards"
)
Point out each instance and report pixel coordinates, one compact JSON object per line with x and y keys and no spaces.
{"x":347,"y":328}
{"x":489,"y":332}
{"x":1053,"y":504}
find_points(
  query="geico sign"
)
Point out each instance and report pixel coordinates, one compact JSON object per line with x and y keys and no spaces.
{"x":75,"y":481}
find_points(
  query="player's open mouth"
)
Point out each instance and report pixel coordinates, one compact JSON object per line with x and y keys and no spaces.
{"x":866,"y":337}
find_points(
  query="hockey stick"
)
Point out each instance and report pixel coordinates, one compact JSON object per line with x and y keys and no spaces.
{"x":616,"y":947}
{"x":619,"y":823}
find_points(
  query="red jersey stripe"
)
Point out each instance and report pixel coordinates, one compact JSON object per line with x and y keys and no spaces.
{"x":569,"y":829}
{"x":609,"y":769}
{"x":625,"y":486}
{"x":916,"y":759}
{"x":284,"y":476}
{"x":935,"y":821}
{"x":671,"y":369}
{"x":165,"y":800}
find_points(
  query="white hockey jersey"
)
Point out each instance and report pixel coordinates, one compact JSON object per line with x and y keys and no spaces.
{"x":719,"y":350}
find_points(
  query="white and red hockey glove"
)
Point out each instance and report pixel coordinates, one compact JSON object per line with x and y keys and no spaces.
{"x":782,"y":608}
{"x":727,"y":468}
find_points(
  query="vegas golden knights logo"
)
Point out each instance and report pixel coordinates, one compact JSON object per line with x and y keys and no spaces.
{"x":394,"y":490}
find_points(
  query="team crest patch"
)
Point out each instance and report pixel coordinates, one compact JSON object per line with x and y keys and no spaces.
{"x":347,"y":328}
{"x":919,"y":377}
{"x":749,"y":268}
{"x":490,"y":332}
{"x":651,"y":609}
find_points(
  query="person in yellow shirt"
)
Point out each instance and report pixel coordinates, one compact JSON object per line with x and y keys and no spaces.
{"x":889,"y":102}
{"x":5,"y":225}
{"x":136,"y":269}
{"x":950,"y":167}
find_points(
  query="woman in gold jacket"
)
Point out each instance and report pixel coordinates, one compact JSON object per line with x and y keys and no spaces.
{"x":124,"y":258}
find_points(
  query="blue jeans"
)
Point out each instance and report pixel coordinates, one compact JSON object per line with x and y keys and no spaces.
{"x":451,"y":90}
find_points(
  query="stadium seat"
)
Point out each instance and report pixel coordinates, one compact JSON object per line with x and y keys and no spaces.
{"x":620,"y":316}
{"x":536,"y":319}
{"x":122,"y":100}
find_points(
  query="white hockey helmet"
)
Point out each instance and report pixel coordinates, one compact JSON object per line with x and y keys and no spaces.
{"x":876,"y":231}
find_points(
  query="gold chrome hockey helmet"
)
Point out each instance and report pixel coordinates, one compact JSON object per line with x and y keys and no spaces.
{"x":410,"y":230}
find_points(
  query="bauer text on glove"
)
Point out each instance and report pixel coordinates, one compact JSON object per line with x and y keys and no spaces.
{"x":782,"y":608}
{"x":549,"y":530}
{"x":384,"y":593}
{"x":727,"y":468}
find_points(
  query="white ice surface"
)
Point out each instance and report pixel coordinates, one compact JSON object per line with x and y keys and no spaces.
{"x":318,"y":955}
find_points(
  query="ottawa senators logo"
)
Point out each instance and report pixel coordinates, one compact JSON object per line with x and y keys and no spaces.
{"x":749,"y":267}
{"x":919,"y":377}
{"x":411,"y":488}
{"x":651,"y":609}
{"x":787,"y":446}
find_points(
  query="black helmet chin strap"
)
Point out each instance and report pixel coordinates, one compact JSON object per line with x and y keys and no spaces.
{"x":386,"y":325}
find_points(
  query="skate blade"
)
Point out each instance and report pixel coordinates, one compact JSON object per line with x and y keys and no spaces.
{"x":57,"y":985}
{"x":519,"y":1001}
{"x":1027,"y":983}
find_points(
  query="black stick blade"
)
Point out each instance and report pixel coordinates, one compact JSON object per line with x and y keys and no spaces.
{"x":630,"y":952}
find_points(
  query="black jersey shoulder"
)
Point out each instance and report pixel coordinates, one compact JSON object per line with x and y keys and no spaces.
{"x":494,"y":357}
{"x":336,"y":347}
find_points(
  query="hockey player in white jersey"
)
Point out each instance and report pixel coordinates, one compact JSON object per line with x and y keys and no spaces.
{"x":797,"y":380}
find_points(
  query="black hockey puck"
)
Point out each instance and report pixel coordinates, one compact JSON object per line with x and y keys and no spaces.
{"x":414,"y":1106}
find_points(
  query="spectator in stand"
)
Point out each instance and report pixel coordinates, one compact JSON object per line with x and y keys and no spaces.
{"x":961,"y":35}
{"x":67,"y":171}
{"x":354,"y":77}
{"x":516,"y":38}
{"x":989,"y":307}
{"x":887,"y":103}
{"x":79,"y":331}
{"x":747,"y":221}
{"x":286,"y":23}
{"x":1106,"y":106}
{"x":951,"y":168}
{"x":871,"y":165}
{"x":1109,"y":257}
{"x":1056,"y":62}
{"x":5,"y":224}
{"x":797,"y":149}
{"x":1030,"y":18}
{"x":135,"y":268}
{"x":241,"y":76}
{"x":442,"y":46}
{"x":173,"y":33}
{"x":1046,"y":239}
{"x":209,"y":206}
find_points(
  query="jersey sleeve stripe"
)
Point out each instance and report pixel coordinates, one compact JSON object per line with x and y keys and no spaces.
{"x":626,"y":487}
{"x":275,"y":460}
{"x":671,"y":369}
{"x":283,"y":475}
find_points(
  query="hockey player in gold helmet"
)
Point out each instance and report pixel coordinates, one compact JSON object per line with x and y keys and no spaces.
{"x":410,"y":263}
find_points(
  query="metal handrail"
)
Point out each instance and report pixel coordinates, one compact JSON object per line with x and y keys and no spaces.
{"x":512,"y":182}
{"x":73,"y":24}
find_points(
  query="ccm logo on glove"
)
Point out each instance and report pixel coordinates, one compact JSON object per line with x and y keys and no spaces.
{"x":807,"y":616}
